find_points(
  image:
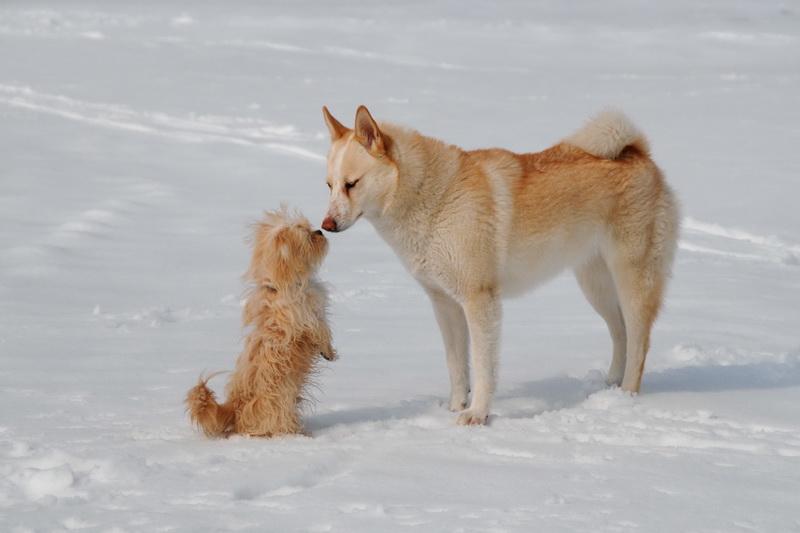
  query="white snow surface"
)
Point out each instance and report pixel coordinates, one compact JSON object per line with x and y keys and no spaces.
{"x":138,"y":141}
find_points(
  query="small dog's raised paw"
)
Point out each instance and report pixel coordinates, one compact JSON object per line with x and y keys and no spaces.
{"x":330,"y":354}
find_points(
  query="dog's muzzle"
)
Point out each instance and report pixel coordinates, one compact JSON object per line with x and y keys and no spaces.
{"x":329,"y":224}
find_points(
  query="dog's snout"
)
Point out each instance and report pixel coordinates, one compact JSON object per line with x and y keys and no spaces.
{"x":329,"y":224}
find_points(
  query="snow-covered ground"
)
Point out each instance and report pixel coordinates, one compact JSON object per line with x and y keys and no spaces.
{"x":139,"y":139}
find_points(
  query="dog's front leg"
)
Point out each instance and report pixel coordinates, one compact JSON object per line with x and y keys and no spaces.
{"x":325,"y":341}
{"x":455,"y":334}
{"x":482,"y":310}
{"x":329,"y":352}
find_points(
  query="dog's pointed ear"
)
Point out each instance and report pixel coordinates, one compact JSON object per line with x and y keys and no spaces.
{"x":368,"y":133}
{"x":336,"y":129}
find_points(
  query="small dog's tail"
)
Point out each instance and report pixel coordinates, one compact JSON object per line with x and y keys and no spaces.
{"x":216,"y":420}
{"x":608,"y":134}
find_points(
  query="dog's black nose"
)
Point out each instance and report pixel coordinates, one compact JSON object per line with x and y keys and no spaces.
{"x":318,"y":232}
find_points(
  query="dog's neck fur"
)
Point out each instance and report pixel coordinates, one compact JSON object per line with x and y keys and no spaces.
{"x":410,"y":229}
{"x":414,"y":205}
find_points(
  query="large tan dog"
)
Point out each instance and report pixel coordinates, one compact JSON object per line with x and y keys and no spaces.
{"x":476,"y":226}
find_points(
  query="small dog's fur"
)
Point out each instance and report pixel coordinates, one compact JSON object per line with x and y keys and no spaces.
{"x":286,"y":332}
{"x":475,"y":226}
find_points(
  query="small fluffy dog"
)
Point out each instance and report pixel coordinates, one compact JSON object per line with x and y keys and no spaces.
{"x":286,"y":332}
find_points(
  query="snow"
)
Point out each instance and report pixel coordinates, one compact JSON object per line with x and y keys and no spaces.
{"x":138,"y":141}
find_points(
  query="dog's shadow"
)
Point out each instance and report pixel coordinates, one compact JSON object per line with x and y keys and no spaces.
{"x":523,"y":401}
{"x":530,"y":399}
{"x":407,"y":409}
{"x":720,"y":378}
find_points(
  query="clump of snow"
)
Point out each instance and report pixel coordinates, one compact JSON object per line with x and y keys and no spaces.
{"x":38,"y":483}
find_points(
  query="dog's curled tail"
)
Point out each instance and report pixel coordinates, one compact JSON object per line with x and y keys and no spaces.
{"x":214,"y":419}
{"x":607,"y":134}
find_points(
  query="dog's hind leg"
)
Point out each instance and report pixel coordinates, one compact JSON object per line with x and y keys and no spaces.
{"x":597,"y":284}
{"x":641,"y":263}
{"x":640,"y":299}
{"x":455,"y":334}
{"x":640,"y":270}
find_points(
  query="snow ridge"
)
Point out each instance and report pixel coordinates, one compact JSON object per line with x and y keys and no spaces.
{"x":715,"y":239}
{"x":205,"y":128}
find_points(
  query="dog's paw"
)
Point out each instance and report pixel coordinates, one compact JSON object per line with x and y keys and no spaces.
{"x":472,"y":417}
{"x":330,"y":354}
